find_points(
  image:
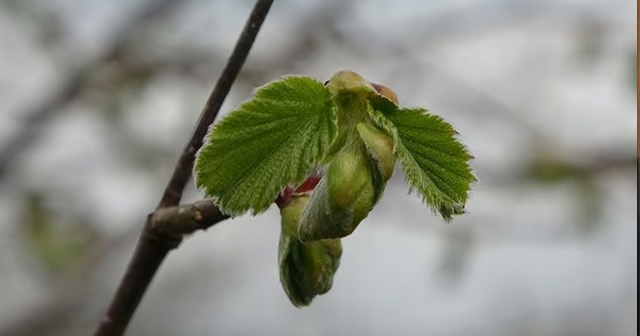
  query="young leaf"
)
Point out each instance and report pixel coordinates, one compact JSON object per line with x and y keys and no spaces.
{"x":271,"y":141}
{"x":433,"y":160}
{"x":380,"y":147}
{"x":330,"y":212}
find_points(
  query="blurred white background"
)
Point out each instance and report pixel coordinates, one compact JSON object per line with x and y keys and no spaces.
{"x":97,"y":99}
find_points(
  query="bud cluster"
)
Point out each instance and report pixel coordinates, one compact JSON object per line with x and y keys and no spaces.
{"x":322,"y":210}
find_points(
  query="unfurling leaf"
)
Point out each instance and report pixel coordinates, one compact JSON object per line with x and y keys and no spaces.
{"x":380,"y":148}
{"x":271,"y":141}
{"x":306,"y":269}
{"x":435,"y":163}
{"x":358,"y":169}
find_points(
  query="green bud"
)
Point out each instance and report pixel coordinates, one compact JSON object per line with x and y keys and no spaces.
{"x":380,"y":147}
{"x":351,"y":187}
{"x":306,"y":269}
{"x":381,"y":161}
{"x":347,"y":177}
{"x":329,"y":213}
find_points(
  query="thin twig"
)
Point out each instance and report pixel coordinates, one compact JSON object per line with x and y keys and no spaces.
{"x":185,"y":219}
{"x":182,"y":172}
{"x":154,"y":245}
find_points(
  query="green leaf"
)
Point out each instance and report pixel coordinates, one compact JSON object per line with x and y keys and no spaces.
{"x":435,"y":163}
{"x":271,"y":141}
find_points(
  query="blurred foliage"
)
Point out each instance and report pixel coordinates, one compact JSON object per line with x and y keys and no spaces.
{"x":591,"y":205}
{"x":113,"y":85}
{"x":550,"y":169}
{"x":591,"y":42}
{"x":454,"y":256}
{"x":48,"y":29}
{"x":56,"y":245}
{"x":633,"y":69}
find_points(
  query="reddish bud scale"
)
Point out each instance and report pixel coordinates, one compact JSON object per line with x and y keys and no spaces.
{"x":385,"y":91}
{"x":285,"y":196}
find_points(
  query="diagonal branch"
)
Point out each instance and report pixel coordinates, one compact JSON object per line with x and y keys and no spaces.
{"x":154,"y":244}
{"x":182,"y":171}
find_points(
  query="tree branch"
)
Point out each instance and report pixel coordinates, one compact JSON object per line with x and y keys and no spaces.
{"x":182,"y":172}
{"x":154,"y":244}
{"x":188,"y":218}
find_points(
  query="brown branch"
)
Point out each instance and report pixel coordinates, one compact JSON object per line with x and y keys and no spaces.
{"x":182,"y":171}
{"x":186,"y":219}
{"x":154,"y":244}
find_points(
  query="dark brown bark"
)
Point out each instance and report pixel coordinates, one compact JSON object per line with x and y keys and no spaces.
{"x":157,"y":238}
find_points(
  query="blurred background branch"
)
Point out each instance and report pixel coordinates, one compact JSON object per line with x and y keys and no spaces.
{"x":75,"y":82}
